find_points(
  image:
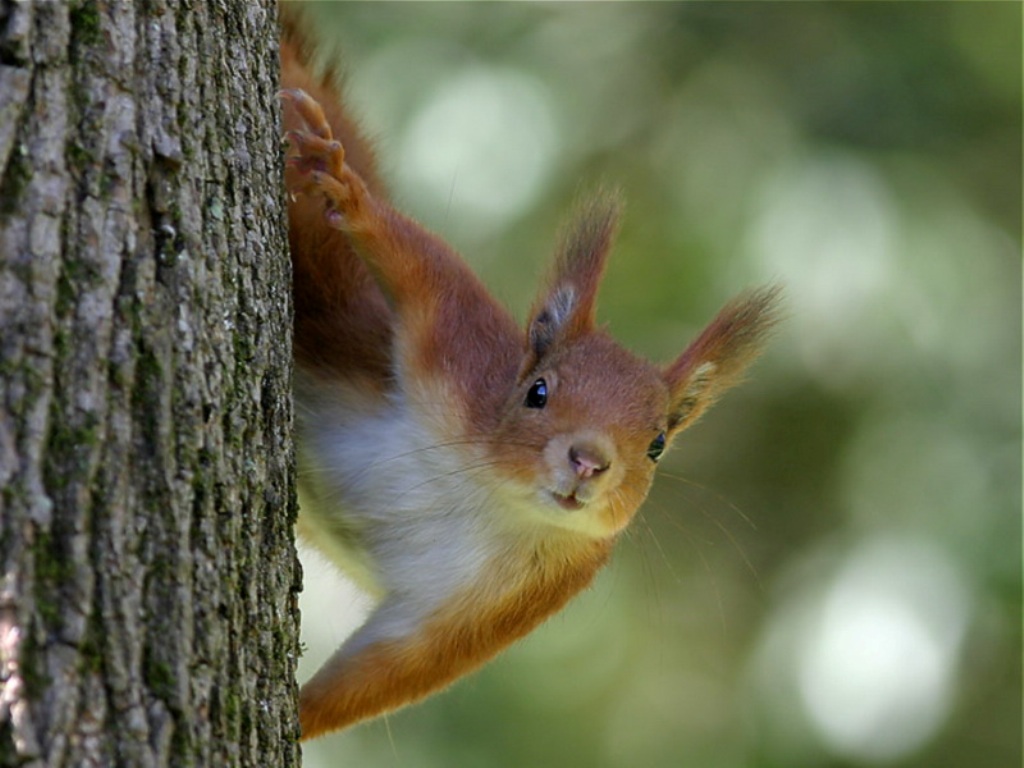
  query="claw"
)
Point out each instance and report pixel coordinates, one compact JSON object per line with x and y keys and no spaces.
{"x":317,"y":164}
{"x":308,"y":109}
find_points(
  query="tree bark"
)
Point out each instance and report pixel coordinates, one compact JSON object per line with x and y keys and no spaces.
{"x":148,"y":577}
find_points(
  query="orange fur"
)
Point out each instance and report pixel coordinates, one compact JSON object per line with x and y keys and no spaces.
{"x":529,"y":450}
{"x":456,"y":641}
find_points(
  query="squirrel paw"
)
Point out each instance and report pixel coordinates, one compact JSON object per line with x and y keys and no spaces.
{"x":319,"y":164}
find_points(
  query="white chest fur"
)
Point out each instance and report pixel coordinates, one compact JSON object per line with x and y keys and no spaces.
{"x":402,"y":510}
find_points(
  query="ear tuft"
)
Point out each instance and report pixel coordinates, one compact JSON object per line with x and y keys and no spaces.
{"x":568,"y":305}
{"x":716,"y":360}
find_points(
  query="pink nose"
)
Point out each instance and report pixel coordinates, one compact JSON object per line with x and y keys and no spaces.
{"x":587,"y":461}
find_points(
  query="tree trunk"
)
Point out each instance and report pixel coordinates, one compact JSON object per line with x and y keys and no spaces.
{"x":148,"y":577}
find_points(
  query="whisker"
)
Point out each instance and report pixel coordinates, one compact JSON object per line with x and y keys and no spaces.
{"x":474,"y":468}
{"x":736,"y":545}
{"x":718,"y":523}
{"x":661,"y":551}
{"x":651,"y":592}
{"x":414,"y":452}
{"x":717,"y":496}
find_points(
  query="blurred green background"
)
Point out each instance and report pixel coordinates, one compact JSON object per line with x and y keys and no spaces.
{"x":828,"y":570}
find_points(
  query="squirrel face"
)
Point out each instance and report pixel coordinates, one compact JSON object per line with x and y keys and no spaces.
{"x":581,"y":434}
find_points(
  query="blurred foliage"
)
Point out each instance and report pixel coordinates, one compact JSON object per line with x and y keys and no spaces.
{"x":828,"y":571}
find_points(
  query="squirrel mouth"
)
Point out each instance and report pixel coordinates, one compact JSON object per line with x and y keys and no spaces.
{"x":569,"y":503}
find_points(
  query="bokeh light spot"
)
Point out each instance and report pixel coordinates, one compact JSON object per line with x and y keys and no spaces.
{"x":487,"y":139}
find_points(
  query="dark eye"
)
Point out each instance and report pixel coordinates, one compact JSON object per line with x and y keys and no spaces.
{"x":537,"y":397}
{"x":656,"y":448}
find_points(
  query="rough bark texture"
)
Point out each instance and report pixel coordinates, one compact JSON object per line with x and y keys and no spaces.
{"x":147,"y":570}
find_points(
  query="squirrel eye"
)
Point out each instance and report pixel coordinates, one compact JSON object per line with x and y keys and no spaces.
{"x":537,"y":397}
{"x":656,"y":448}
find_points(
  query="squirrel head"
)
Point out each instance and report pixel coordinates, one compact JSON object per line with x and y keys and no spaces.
{"x":587,"y":421}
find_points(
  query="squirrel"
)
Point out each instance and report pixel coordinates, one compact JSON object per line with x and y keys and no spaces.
{"x":470,"y":474}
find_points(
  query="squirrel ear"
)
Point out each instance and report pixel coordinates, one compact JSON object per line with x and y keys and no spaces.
{"x":716,"y":359}
{"x":568,"y":305}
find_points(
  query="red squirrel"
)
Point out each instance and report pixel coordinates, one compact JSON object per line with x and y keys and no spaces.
{"x":472,"y":475}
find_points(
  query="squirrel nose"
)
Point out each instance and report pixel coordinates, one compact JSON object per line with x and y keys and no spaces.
{"x":587,"y":461}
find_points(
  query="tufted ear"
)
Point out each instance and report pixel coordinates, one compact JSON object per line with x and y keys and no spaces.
{"x":568,"y":305}
{"x":717,"y":358}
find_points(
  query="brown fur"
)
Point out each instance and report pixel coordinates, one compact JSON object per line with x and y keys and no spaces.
{"x":382,"y":302}
{"x":342,"y":320}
